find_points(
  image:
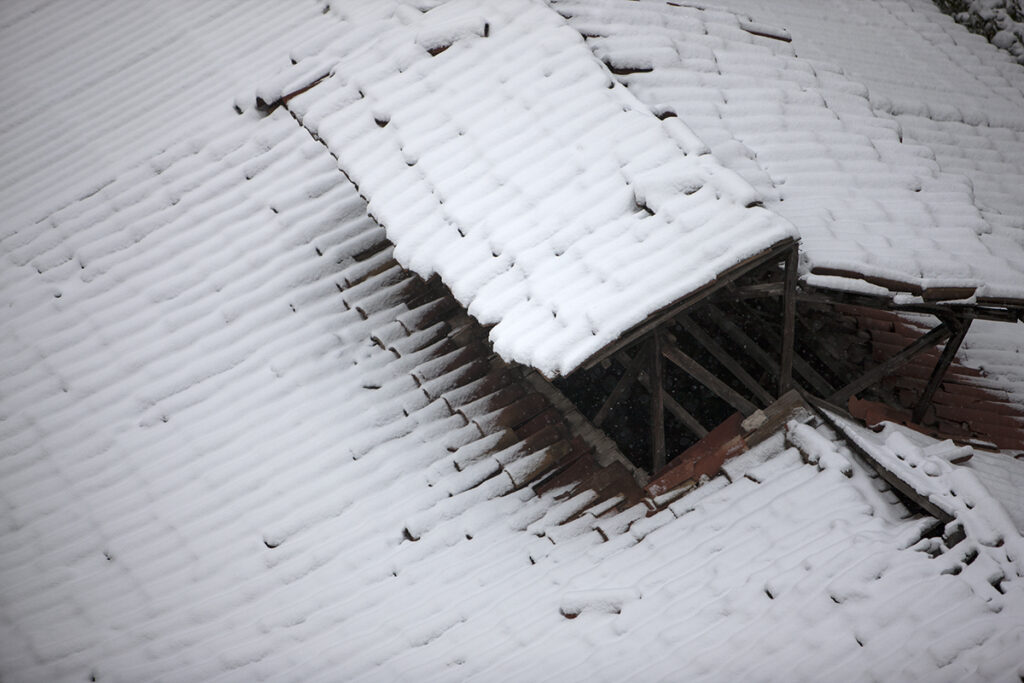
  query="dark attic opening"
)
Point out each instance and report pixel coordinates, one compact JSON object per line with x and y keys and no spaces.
{"x":708,"y":361}
{"x":698,"y":383}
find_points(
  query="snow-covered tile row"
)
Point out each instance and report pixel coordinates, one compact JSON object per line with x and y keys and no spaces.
{"x":91,"y":86}
{"x":807,"y":136}
{"x":215,"y":374}
{"x":497,"y":152}
{"x":949,"y":89}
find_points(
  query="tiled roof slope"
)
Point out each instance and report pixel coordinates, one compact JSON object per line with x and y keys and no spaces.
{"x":212,"y":368}
{"x":807,"y":136}
{"x":947,"y":88}
{"x":223,"y":436}
{"x":92,"y":86}
{"x":498,"y":153}
{"x":212,"y":462}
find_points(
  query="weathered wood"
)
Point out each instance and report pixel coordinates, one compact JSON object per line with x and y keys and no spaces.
{"x":658,"y":318}
{"x":788,"y":323}
{"x":1003,"y":310}
{"x":707,"y":378}
{"x":657,"y":404}
{"x":907,"y":492}
{"x":673,"y":406}
{"x":933,"y":337}
{"x":760,"y":290}
{"x":892,"y":284}
{"x":684,"y":416}
{"x":803,"y":368}
{"x":623,"y":385}
{"x":939,"y":371}
{"x":733,"y":331}
{"x":723,"y":357}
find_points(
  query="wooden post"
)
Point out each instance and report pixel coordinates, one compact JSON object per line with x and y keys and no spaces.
{"x":788,"y":322}
{"x":935,"y":336}
{"x":657,"y":404}
{"x":945,"y":360}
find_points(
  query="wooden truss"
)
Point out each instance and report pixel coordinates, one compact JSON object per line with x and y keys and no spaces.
{"x":644,"y":352}
{"x":650,"y":347}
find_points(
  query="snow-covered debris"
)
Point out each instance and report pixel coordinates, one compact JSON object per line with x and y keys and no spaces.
{"x":501,"y":155}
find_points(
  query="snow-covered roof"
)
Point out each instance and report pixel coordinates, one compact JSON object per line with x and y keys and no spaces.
{"x":226,"y":412}
{"x":874,"y":209}
{"x":499,"y":153}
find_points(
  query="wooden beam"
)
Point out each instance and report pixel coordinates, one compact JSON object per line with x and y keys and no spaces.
{"x":723,"y":357}
{"x":673,"y":406}
{"x":655,"y":377}
{"x":788,"y":323}
{"x":623,"y":385}
{"x":774,"y":253}
{"x":684,"y":416}
{"x":749,"y":346}
{"x":984,"y":310}
{"x":939,"y":371}
{"x":707,"y":378}
{"x":803,"y":368}
{"x":935,"y":336}
{"x":760,"y":290}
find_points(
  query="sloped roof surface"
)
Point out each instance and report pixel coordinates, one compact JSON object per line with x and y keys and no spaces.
{"x":218,"y":421}
{"x":808,"y":137}
{"x":553,"y":203}
{"x":947,"y":88}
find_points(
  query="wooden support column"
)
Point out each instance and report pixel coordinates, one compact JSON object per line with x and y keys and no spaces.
{"x":623,"y":385}
{"x":655,"y":377}
{"x":788,"y":322}
{"x":945,"y":360}
{"x":935,"y":336}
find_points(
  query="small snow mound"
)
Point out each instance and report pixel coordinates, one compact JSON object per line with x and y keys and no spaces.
{"x":608,"y":601}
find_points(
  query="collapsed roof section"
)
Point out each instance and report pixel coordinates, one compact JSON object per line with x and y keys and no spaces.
{"x":498,"y":153}
{"x":876,"y":214}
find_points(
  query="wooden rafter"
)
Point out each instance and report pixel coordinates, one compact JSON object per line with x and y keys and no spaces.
{"x":788,"y":322}
{"x":623,"y":385}
{"x":706,"y":377}
{"x":723,"y":357}
{"x":939,"y":371}
{"x":673,"y":406}
{"x":933,"y":337}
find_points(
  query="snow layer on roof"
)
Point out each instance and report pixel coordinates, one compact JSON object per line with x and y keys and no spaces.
{"x":947,"y":88}
{"x":807,"y":136}
{"x":208,"y":455}
{"x":93,"y":85}
{"x":498,"y":153}
{"x":212,"y":462}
